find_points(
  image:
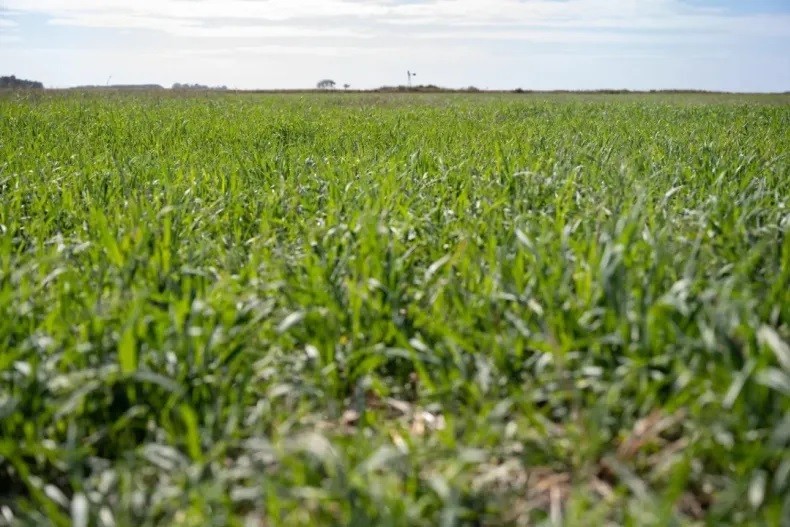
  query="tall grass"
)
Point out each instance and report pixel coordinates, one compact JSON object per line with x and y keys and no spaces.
{"x":382,"y":310}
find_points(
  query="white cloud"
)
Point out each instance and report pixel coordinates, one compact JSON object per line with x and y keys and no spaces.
{"x":193,"y":28}
{"x":358,"y":18}
{"x":279,"y":50}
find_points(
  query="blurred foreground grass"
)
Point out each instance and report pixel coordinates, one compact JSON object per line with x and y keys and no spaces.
{"x":394,"y":310}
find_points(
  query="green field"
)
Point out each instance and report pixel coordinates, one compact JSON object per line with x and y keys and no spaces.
{"x":386,"y":310}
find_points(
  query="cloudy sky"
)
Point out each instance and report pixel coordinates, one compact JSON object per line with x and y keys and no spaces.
{"x":735,"y":45}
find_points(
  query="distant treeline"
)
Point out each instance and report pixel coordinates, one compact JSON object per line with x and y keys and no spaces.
{"x":124,"y":87}
{"x":198,"y":87}
{"x":23,"y":84}
{"x":426,"y":88}
{"x":11,"y":82}
{"x":622,"y":91}
{"x":153,"y":87}
{"x":431,"y":88}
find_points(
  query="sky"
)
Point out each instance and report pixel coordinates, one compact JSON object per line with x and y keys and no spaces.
{"x":726,"y":45}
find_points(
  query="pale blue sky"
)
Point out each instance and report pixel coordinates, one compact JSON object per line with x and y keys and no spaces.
{"x":534,"y":44}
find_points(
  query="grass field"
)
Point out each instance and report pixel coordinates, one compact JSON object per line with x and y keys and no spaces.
{"x":346,"y":309}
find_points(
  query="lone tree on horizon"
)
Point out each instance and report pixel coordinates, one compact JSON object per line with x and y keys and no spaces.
{"x":326,"y":84}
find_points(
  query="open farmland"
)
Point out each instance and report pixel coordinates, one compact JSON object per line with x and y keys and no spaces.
{"x":352,"y":309}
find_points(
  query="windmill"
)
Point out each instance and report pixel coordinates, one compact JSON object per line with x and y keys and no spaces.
{"x":410,"y":74}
